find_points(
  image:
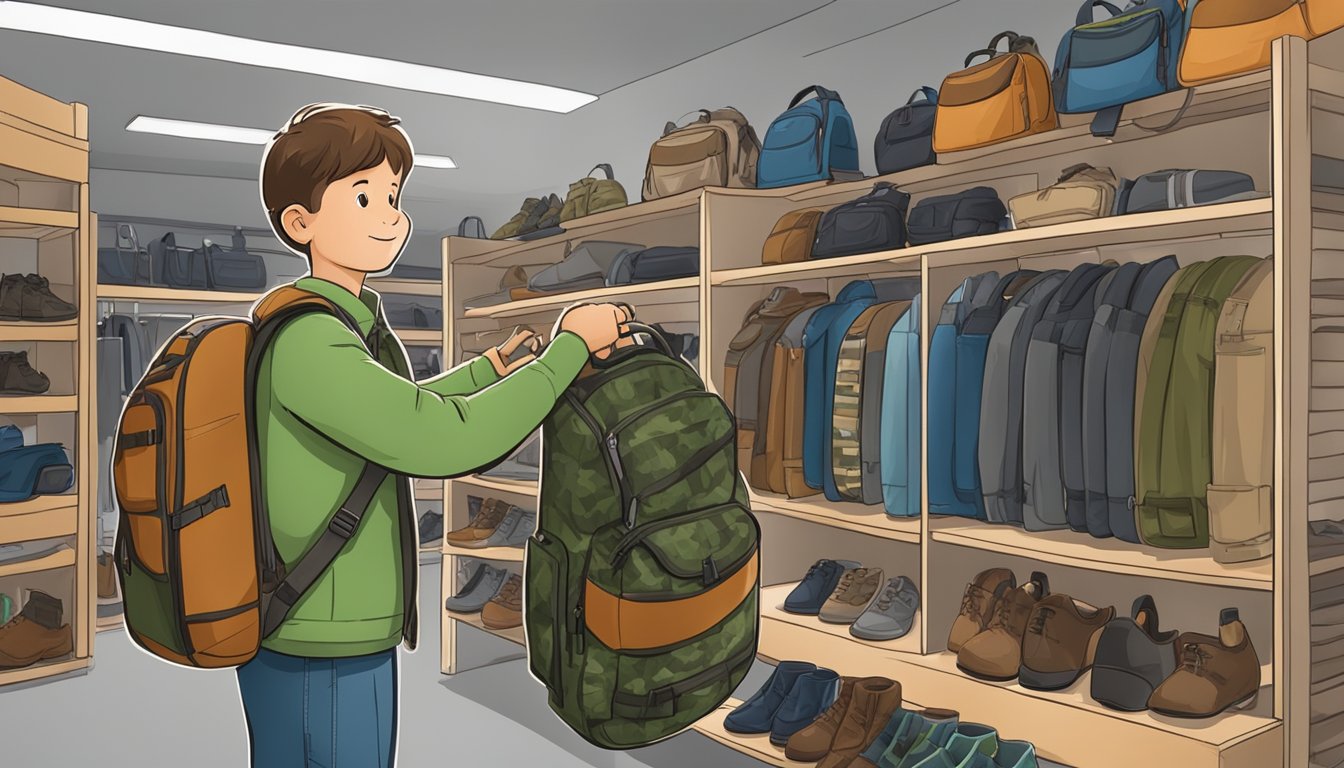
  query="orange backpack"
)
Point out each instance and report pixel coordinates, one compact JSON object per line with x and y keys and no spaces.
{"x":1003,"y":98}
{"x":201,"y":581}
{"x":1232,"y":37}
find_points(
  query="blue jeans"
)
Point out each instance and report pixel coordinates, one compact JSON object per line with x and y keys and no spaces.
{"x":320,"y":713}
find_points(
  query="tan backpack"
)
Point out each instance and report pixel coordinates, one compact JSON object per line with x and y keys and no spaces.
{"x":589,"y":195}
{"x":201,"y":581}
{"x":791,"y":239}
{"x":719,"y":149}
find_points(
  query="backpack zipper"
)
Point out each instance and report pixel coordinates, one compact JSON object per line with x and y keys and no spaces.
{"x":635,"y":537}
{"x":630,"y":501}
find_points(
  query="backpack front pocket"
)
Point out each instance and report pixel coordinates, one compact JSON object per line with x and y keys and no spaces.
{"x":546,"y":616}
{"x":140,"y":469}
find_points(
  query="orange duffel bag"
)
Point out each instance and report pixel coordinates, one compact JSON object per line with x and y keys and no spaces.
{"x":1233,"y":37}
{"x":1003,"y":98}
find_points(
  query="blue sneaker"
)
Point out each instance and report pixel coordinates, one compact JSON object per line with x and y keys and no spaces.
{"x":924,"y":736}
{"x":812,"y":694}
{"x":1015,"y":754}
{"x":812,"y":592}
{"x":757,"y":713}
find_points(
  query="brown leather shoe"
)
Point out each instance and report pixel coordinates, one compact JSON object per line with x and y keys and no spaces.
{"x":873,"y":702}
{"x":852,"y":595}
{"x":813,"y":742}
{"x":1215,"y":673}
{"x":107,"y":576}
{"x":505,"y":610}
{"x":36,"y":634}
{"x":996,"y":653}
{"x":978,"y":604}
{"x":481,"y":526}
{"x":1060,"y":642}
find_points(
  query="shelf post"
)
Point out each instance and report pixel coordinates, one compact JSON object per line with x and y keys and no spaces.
{"x":1292,"y":361}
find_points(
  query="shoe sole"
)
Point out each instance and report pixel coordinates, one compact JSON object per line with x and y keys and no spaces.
{"x":11,"y":662}
{"x":1047,"y":681}
{"x":1241,"y":704}
{"x":878,"y":637}
{"x":983,"y":676}
{"x":1119,"y":687}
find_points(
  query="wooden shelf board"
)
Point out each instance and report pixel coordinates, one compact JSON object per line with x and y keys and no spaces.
{"x":61,"y":558}
{"x":406,"y":286}
{"x":872,"y":521}
{"x":419,"y":335}
{"x":40,"y":670}
{"x":680,"y":291}
{"x":502,"y":554}
{"x":173,"y":295}
{"x":819,"y":269}
{"x":66,"y":330}
{"x":109,"y":623}
{"x":42,"y":517}
{"x":25,"y":404}
{"x":934,"y":681}
{"x":515,"y":635}
{"x":757,"y":746}
{"x":1080,"y":550}
{"x":1327,"y":565}
{"x":36,"y":223}
{"x":590,"y":226}
{"x":39,"y":504}
{"x":428,"y":494}
{"x":499,"y":484}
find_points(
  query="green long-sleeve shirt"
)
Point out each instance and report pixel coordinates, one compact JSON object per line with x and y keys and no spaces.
{"x":324,"y":406}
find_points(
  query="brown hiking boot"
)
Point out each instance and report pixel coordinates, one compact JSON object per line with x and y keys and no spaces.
{"x":1215,"y":673}
{"x":978,"y":604}
{"x":1060,"y":642}
{"x":36,"y":634}
{"x":505,"y":610}
{"x":996,"y":653}
{"x":813,"y":742}
{"x":874,"y":701}
{"x":107,"y":576}
{"x":481,"y":526}
{"x":851,"y":596}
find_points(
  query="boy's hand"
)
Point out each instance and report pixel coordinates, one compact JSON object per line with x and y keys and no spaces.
{"x":519,"y":350}
{"x":599,"y":325}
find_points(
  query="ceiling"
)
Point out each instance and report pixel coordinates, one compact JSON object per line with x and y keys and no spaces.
{"x":650,"y":61}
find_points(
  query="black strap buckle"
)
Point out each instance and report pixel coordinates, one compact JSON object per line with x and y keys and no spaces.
{"x":343,"y":523}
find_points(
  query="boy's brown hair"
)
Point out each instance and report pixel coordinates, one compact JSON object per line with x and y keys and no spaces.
{"x":320,"y":144}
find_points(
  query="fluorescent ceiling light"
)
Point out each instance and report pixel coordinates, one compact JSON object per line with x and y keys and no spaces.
{"x":131,"y":33}
{"x":236,"y":134}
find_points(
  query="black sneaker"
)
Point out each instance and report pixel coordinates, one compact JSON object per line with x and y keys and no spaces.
{"x":29,"y":297}
{"x":17,"y":377}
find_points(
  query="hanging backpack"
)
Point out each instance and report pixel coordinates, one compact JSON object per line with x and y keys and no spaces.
{"x":1129,"y":56}
{"x":1003,"y":98}
{"x":589,"y":195}
{"x":642,"y":580}
{"x":905,"y":139}
{"x":1233,"y":37}
{"x":900,"y":426}
{"x":1174,"y":440}
{"x":856,"y":446}
{"x":201,"y":580}
{"x":719,"y":149}
{"x":872,"y":223}
{"x":777,"y":456}
{"x":812,"y":141}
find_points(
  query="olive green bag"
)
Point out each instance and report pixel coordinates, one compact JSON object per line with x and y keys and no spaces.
{"x":589,"y":195}
{"x":642,"y":582}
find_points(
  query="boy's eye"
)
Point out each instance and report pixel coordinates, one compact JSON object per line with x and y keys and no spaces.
{"x":363,"y":200}
{"x":392,"y":200}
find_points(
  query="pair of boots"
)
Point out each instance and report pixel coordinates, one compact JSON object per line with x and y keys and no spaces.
{"x":935,"y":738}
{"x":29,"y":298}
{"x":795,"y":695}
{"x":851,"y":724}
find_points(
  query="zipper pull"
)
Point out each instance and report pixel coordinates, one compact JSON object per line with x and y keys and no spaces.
{"x":631,"y":512}
{"x":614,"y":453}
{"x":579,"y":627}
{"x":709,"y":572}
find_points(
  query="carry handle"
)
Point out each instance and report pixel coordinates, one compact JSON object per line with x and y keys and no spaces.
{"x":659,"y":341}
{"x":605,"y":168}
{"x":1074,"y":170}
{"x":929,"y":94}
{"x":1086,"y":13}
{"x":480,"y":227}
{"x":825,"y":94}
{"x":990,"y":52}
{"x":672,"y":125}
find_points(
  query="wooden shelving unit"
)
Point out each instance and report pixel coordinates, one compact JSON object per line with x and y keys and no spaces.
{"x":502,"y":554}
{"x":157,"y":294}
{"x":46,"y":227}
{"x":1258,"y":124}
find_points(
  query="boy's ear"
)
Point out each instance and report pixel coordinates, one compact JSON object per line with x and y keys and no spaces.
{"x":296,"y":220}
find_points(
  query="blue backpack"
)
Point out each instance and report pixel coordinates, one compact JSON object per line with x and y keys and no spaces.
{"x":1131,"y":56}
{"x":809,"y":142}
{"x":822,"y":336}
{"x":900,"y":417}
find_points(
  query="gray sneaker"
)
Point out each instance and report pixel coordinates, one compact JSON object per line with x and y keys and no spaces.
{"x":891,"y":615}
{"x":513,"y":530}
{"x":480,"y":589}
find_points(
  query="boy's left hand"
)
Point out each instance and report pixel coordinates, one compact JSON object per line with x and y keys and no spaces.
{"x":519,"y":350}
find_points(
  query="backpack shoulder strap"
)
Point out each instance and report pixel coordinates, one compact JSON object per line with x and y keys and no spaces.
{"x":270,"y":315}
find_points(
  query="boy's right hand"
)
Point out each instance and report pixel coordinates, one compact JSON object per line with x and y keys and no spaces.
{"x":599,"y":325}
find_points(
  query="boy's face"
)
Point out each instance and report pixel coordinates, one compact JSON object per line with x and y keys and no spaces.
{"x":360,"y":224}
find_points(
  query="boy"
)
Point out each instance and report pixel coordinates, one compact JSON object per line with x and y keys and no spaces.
{"x":323,"y":689}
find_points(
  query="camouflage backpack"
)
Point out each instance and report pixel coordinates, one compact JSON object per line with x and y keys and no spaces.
{"x":642,"y":581}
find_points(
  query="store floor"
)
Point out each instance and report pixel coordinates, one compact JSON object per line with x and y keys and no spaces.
{"x":131,"y":709}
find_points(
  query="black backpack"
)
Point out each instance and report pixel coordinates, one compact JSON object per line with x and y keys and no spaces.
{"x":976,"y":211}
{"x":874,"y":222}
{"x":905,"y":139}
